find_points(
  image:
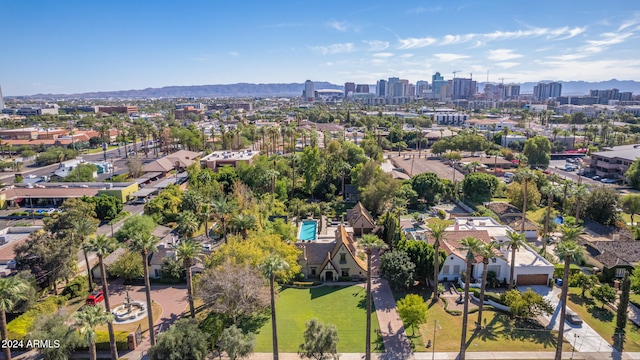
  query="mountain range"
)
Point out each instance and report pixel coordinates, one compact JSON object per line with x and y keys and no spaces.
{"x":295,"y":89}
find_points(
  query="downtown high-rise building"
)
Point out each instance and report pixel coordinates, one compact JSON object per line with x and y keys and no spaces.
{"x":362,"y":89}
{"x":437,"y":81}
{"x":545,"y":91}
{"x":1,"y":99}
{"x":309,"y":94}
{"x":381,"y":88}
{"x":604,"y":96}
{"x":422,"y":87}
{"x":463,"y":89}
{"x":349,"y":87}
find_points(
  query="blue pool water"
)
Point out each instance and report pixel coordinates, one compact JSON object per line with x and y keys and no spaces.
{"x":308,"y":230}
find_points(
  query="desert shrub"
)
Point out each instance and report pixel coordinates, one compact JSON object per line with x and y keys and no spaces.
{"x":19,"y":327}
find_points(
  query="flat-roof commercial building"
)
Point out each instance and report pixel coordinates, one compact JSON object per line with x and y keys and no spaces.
{"x":615,"y":162}
{"x":217,"y":159}
{"x":55,"y":194}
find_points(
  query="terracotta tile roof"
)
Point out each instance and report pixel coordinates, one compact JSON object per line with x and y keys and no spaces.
{"x":451,"y":244}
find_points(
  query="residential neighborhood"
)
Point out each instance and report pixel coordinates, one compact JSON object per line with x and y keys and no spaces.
{"x":320,"y":181}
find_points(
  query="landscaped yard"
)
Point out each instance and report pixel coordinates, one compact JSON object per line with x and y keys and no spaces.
{"x":500,"y":333}
{"x":603,"y":321}
{"x":341,"y":306}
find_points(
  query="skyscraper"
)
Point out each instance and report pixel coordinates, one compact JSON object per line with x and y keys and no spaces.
{"x":544,"y":91}
{"x":309,"y":91}
{"x":422,"y":87}
{"x":437,"y":81}
{"x":362,"y":89}
{"x":381,"y":88}
{"x":463,"y":88}
{"x":1,"y":99}
{"x":393,"y":89}
{"x":349,"y":87}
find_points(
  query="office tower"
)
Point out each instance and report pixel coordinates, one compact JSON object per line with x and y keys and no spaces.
{"x":362,"y":89}
{"x":381,"y":88}
{"x":404,"y":90}
{"x":309,"y":91}
{"x":392,"y":90}
{"x":411,"y":90}
{"x":437,"y":81}
{"x":463,"y":89}
{"x":604,"y":96}
{"x":1,"y":99}
{"x":349,"y":87}
{"x":511,"y":91}
{"x":422,"y":87}
{"x":544,"y":91}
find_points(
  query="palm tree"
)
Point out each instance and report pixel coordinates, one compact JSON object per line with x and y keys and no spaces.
{"x":569,"y":250}
{"x":486,"y":251}
{"x":84,"y":227}
{"x":437,"y":232}
{"x":471,"y":246}
{"x":551,"y":191}
{"x":271,"y":266}
{"x":579,"y":192}
{"x":224,"y":209}
{"x":188,"y":223}
{"x":186,"y":252}
{"x":12,"y":290}
{"x":516,"y":240}
{"x":146,"y":245}
{"x":103,"y":245}
{"x":86,"y":321}
{"x":243,"y":223}
{"x":368,"y":243}
{"x":524,"y":175}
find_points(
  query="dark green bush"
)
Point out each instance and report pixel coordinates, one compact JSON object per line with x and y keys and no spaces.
{"x":76,"y":288}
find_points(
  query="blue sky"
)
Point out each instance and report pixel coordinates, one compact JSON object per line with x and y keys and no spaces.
{"x":81,"y":46}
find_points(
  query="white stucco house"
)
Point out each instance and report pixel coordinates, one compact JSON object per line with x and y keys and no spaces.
{"x":530,"y":268}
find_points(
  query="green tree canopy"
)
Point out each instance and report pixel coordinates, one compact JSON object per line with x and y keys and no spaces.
{"x":479,"y":187}
{"x":397,"y":267}
{"x":136,"y":224}
{"x":601,"y":205}
{"x":428,"y":186}
{"x":320,"y":341}
{"x":128,"y":266}
{"x":538,"y":150}
{"x":182,"y":341}
{"x":527,"y":305}
{"x":413,"y":311}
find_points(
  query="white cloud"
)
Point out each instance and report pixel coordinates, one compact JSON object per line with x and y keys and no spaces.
{"x":383,"y":55}
{"x":333,"y":48}
{"x":502,"y":55}
{"x":507,"y":64}
{"x":337,"y":25}
{"x":376,"y":45}
{"x":630,"y":23}
{"x":567,"y":57}
{"x":412,"y":43}
{"x":421,"y":9}
{"x":450,"y":57}
{"x":406,"y":56}
{"x":561,"y":33}
{"x":233,"y":53}
{"x":609,"y":39}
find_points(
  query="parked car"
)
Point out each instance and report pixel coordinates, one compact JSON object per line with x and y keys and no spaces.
{"x":608,"y":181}
{"x":95,"y":298}
{"x":574,"y":319}
{"x":596,"y":178}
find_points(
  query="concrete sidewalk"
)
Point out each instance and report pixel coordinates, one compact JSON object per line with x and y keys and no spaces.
{"x":586,"y":339}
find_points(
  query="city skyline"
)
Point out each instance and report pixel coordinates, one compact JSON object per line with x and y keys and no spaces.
{"x":73,"y":47}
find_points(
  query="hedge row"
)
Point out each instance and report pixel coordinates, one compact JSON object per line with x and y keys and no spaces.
{"x":19,"y":327}
{"x":102,"y":340}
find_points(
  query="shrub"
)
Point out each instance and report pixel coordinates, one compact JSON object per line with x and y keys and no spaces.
{"x":102,"y":340}
{"x":76,"y":287}
{"x":19,"y":327}
{"x":344,"y":278}
{"x":558,"y":270}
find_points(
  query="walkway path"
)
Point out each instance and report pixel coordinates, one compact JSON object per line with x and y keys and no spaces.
{"x":586,"y":339}
{"x":396,"y":343}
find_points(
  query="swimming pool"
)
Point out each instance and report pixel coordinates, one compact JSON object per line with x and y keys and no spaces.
{"x":308,"y":230}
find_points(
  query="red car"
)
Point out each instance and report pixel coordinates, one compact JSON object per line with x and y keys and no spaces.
{"x":95,"y":298}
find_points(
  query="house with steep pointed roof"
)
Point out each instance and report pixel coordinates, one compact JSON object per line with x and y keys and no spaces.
{"x":333,"y":260}
{"x":360,"y":220}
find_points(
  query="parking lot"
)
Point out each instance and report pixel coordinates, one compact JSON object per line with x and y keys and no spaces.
{"x":558,"y":167}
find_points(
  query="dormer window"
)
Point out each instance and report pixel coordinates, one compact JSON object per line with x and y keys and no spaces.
{"x":343,"y":258}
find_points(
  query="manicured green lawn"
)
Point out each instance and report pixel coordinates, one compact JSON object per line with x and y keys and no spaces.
{"x":603,"y":321}
{"x":535,"y":215}
{"x":341,"y":306}
{"x":500,"y":333}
